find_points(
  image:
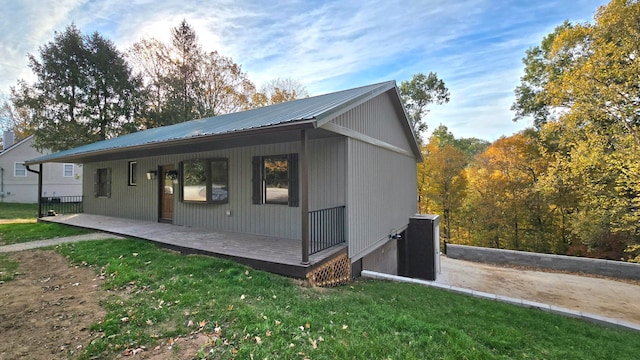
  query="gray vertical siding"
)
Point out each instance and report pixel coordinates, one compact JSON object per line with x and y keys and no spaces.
{"x":327,"y":173}
{"x":327,"y":183}
{"x":381,"y":184}
{"x":135,"y":202}
{"x":378,"y":119}
{"x":381,"y":196}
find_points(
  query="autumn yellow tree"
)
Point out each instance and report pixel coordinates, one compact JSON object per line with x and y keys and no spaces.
{"x":279,"y":90}
{"x":598,"y":132}
{"x":441,"y":181}
{"x":505,"y":208}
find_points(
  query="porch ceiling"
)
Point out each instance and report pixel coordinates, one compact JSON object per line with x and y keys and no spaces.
{"x":273,"y":254}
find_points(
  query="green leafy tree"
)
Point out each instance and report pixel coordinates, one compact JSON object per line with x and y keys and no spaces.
{"x":602,"y":83}
{"x":420,"y":92}
{"x":84,"y":92}
{"x":183,"y":81}
{"x":532,"y":99}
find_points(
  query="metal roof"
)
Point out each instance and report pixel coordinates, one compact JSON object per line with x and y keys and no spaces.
{"x":279,"y":115}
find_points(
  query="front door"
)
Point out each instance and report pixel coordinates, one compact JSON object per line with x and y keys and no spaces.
{"x":167,"y":175}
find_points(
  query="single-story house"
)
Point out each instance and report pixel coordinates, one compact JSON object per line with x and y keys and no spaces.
{"x":18,"y":185}
{"x":334,"y":169}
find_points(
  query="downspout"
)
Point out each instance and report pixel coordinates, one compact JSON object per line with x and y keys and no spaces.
{"x":39,"y":172}
{"x":1,"y":184}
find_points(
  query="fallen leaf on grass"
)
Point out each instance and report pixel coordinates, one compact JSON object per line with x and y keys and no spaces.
{"x":314,"y":344}
{"x":258,"y":340}
{"x":344,"y":327}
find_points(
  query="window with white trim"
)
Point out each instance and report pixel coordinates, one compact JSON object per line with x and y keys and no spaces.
{"x":19,"y":170}
{"x":67,"y":170}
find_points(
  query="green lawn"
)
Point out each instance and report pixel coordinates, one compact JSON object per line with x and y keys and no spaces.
{"x":18,"y":211}
{"x":19,"y":233}
{"x":8,"y":268}
{"x":156,"y":293}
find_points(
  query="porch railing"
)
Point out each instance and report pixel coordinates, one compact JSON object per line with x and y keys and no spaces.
{"x":52,"y":205}
{"x":326,"y":228}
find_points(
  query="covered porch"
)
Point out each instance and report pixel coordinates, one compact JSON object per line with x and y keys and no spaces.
{"x":272,"y":254}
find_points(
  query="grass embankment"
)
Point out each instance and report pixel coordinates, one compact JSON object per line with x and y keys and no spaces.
{"x":20,"y":233}
{"x":18,"y":211}
{"x":252,"y":314}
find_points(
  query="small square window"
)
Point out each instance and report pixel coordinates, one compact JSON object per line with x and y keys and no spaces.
{"x":19,"y":170}
{"x":133,"y":173}
{"x":67,"y":170}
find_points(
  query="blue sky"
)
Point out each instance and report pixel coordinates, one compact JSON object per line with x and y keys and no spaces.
{"x":475,"y":46}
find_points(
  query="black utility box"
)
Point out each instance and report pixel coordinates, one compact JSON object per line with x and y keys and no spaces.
{"x":421,"y":251}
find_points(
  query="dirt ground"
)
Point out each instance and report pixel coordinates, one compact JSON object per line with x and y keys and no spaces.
{"x":46,"y":311}
{"x":601,"y":296}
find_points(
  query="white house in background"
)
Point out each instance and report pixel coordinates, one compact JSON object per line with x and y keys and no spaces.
{"x":18,"y":185}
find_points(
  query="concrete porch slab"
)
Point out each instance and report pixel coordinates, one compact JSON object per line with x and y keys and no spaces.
{"x":277,"y":255}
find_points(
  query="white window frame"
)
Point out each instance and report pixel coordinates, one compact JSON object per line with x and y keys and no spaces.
{"x":64,"y":170}
{"x":15,"y":169}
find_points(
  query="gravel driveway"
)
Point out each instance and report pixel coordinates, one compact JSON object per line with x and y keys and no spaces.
{"x":600,"y":296}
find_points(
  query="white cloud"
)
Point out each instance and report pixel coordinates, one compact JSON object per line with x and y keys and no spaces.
{"x":474,"y":45}
{"x":24,"y":26}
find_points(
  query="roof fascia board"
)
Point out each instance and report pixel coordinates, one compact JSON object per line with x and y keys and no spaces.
{"x":399,"y":107}
{"x":299,"y":125}
{"x":348,"y":105}
{"x":366,"y":138}
{"x":406,"y":124}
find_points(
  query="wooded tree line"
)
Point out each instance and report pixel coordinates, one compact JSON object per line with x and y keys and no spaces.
{"x":570,"y":184}
{"x":87,"y":90}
